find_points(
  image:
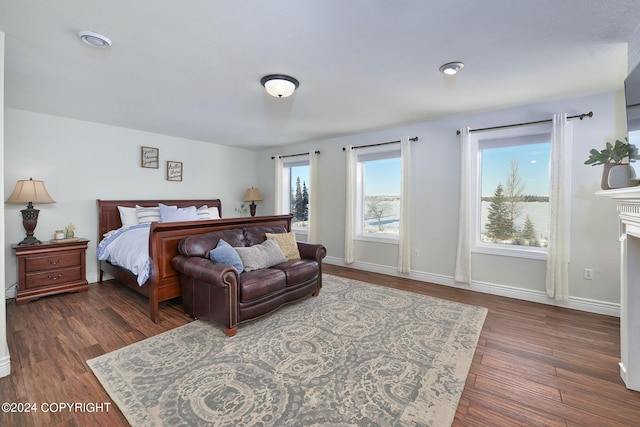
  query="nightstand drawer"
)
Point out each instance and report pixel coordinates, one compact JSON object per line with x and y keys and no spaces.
{"x":52,"y":261}
{"x":53,"y":277}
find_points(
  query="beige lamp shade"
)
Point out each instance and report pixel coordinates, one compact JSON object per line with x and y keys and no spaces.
{"x":30,"y":191}
{"x":252,"y":195}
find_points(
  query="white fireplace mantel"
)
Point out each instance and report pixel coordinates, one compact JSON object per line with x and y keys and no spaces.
{"x":628,"y":204}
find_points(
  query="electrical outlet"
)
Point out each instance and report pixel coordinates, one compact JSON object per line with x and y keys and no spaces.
{"x":588,"y":274}
{"x":416,"y":253}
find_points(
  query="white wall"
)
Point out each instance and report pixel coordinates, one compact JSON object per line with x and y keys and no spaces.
{"x":82,"y":161}
{"x":435,"y":171}
{"x":5,"y":365}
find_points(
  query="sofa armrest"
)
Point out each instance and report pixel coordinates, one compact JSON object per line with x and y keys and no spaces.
{"x":204,"y":270}
{"x":312,"y":251}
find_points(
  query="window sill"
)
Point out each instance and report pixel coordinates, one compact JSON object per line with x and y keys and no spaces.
{"x":377,"y":239}
{"x":506,"y":250}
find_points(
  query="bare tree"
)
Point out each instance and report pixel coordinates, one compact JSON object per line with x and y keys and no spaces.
{"x":514,"y":191}
{"x":377,"y":207}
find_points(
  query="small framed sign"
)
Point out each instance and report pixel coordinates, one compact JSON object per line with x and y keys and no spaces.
{"x":150,"y":157}
{"x":174,"y":171}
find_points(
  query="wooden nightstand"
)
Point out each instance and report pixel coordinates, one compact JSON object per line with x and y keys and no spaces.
{"x":51,"y":268}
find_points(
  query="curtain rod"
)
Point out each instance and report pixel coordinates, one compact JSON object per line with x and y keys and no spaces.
{"x":579,"y":116}
{"x":414,"y":139}
{"x":294,"y":155}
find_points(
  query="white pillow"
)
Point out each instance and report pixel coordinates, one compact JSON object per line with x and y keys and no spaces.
{"x":128,"y":216}
{"x":147,"y":215}
{"x":215,"y":214}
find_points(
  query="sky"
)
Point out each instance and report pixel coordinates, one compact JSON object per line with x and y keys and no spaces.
{"x":382,"y":176}
{"x":533,"y":166}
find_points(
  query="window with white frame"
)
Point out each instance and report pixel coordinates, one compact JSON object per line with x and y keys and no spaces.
{"x":378,"y":176}
{"x":511,"y":198}
{"x":633,"y":129}
{"x":296,"y":192}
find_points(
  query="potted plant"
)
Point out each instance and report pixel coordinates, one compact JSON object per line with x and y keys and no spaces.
{"x":70,"y":230}
{"x":611,"y":156}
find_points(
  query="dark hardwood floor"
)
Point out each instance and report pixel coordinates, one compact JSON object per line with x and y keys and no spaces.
{"x":534,"y":364}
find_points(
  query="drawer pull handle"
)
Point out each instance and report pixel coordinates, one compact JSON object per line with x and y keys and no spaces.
{"x":54,"y":262}
{"x":51,"y":277}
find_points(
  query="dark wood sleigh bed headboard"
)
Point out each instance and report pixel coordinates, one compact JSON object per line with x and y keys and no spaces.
{"x":109,"y":216}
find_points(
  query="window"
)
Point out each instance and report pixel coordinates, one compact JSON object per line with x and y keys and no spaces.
{"x":378,"y":172}
{"x":295,"y":194}
{"x":511,"y":199}
{"x":633,"y":129}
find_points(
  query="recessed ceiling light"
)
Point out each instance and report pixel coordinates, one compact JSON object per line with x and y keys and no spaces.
{"x":94,"y":39}
{"x":279,"y":85}
{"x":451,"y":68}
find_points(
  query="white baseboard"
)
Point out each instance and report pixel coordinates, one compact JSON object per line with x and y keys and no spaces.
{"x":576,"y":303}
{"x":10,"y":292}
{"x":5,"y":366}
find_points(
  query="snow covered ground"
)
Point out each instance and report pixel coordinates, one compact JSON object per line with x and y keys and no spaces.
{"x":538,"y":212}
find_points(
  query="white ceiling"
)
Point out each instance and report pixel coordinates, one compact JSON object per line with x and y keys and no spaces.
{"x":192,"y":68}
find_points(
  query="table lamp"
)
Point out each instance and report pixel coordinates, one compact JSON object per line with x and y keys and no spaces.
{"x":252,"y":195}
{"x":30,"y":191}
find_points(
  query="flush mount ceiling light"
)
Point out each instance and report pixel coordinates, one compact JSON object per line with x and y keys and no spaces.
{"x":94,"y":39}
{"x":451,"y":68}
{"x":279,"y":85}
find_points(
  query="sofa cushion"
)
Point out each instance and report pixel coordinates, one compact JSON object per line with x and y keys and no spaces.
{"x":298,"y":271}
{"x":201,"y":244}
{"x":264,"y":255}
{"x":225,"y":254}
{"x":256,"y":234}
{"x":260,"y":283}
{"x":287,"y":243}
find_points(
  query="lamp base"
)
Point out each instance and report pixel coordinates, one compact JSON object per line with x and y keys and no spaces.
{"x":252,"y":208}
{"x":29,"y":222}
{"x":29,"y":240}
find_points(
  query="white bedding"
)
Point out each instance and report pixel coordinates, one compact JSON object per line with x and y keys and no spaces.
{"x":128,"y":247}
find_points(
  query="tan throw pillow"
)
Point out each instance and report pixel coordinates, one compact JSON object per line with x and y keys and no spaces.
{"x":287,"y":243}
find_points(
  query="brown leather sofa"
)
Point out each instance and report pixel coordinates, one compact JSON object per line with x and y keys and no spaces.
{"x":218,"y":293}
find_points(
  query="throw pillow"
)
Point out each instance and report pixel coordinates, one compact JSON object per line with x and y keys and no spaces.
{"x":176,"y":214}
{"x":287,"y":243}
{"x":264,"y":255}
{"x":147,"y":215}
{"x":225,"y":254}
{"x":203,"y":212}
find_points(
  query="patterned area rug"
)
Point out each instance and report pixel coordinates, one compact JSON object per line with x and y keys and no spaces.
{"x":357,"y":355}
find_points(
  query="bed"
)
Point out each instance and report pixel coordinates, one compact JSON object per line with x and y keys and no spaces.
{"x":164,"y":282}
